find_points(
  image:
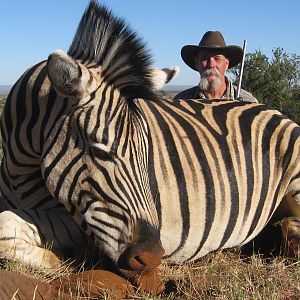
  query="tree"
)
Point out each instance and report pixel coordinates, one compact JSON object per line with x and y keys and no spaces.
{"x":275,"y":82}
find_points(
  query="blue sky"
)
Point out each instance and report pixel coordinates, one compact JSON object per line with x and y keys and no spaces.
{"x":30,"y":30}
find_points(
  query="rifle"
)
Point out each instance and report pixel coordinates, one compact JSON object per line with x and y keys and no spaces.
{"x":241,"y":71}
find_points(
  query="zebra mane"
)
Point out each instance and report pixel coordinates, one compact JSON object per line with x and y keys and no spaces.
{"x":105,"y":40}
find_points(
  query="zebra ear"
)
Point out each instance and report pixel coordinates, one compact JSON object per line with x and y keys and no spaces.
{"x":160,"y":77}
{"x":69,"y":78}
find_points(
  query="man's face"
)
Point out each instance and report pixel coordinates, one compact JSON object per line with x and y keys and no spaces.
{"x":212,"y":65}
{"x":211,"y":59}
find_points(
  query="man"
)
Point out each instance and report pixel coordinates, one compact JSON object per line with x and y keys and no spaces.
{"x":212,"y":58}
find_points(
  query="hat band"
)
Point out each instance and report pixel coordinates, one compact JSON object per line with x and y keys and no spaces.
{"x":211,"y":45}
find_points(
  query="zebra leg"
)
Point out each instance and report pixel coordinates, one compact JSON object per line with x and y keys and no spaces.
{"x":290,"y":228}
{"x":289,"y":209}
{"x":281,"y":235}
{"x":40,"y":238}
{"x":20,"y":241}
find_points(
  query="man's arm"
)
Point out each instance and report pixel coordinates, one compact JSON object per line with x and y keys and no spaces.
{"x":248,"y":97}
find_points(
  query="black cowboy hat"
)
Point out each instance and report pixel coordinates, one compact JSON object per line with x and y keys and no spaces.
{"x":212,"y":40}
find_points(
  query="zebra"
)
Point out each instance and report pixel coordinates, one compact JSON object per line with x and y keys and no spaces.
{"x":92,"y":153}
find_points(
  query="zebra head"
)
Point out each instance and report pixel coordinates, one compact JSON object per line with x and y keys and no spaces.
{"x":96,"y":159}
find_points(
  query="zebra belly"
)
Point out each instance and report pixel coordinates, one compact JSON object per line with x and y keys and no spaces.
{"x":187,"y":243}
{"x":197,"y":219}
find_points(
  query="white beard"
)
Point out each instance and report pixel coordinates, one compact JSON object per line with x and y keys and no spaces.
{"x":212,"y":85}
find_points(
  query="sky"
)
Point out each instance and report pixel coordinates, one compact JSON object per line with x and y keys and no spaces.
{"x":31,"y":30}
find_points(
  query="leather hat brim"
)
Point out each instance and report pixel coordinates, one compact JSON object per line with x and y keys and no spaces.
{"x":233,"y":53}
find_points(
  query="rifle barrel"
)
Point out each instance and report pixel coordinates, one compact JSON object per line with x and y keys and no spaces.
{"x":241,"y":69}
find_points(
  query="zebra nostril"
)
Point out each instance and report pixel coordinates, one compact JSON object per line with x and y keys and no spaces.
{"x":137,"y":263}
{"x":139,"y":260}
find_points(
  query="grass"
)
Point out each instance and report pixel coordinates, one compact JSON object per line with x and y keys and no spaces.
{"x":220,"y":275}
{"x":227,"y":275}
{"x":44,"y":276}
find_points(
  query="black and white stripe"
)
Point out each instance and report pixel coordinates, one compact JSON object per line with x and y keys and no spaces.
{"x":86,"y":138}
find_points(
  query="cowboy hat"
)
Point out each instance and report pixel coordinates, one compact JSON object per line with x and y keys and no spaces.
{"x":212,"y":40}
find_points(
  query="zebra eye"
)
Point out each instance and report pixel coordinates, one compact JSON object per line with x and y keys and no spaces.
{"x":102,"y":152}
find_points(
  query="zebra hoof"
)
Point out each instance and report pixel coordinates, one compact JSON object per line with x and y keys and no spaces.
{"x":290,"y":228}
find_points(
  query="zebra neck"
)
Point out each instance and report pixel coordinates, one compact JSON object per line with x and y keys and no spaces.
{"x":114,"y":121}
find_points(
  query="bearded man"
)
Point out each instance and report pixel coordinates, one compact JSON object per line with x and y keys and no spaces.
{"x":212,"y":58}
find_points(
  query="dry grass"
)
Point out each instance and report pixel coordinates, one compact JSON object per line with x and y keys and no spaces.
{"x":45,"y":276}
{"x":220,"y":275}
{"x":226,"y":275}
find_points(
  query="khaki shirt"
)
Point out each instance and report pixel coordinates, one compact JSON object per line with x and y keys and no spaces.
{"x":230,"y":93}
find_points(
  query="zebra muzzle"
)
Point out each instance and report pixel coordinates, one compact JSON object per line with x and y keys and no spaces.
{"x":137,"y":258}
{"x":140,"y":267}
{"x":140,"y":260}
